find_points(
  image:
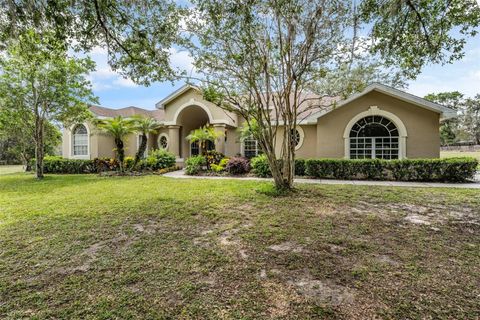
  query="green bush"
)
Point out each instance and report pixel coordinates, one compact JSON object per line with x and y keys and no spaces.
{"x":128,"y":162}
{"x":56,"y":164}
{"x":261,"y":168}
{"x":194,"y":165}
{"x":158,"y":159}
{"x":220,"y":167}
{"x":299,"y":167}
{"x":451,"y":170}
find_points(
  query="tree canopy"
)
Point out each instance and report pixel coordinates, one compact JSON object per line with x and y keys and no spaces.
{"x":41,"y":84}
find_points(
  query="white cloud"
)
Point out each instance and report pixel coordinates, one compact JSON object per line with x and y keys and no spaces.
{"x":462,"y":75}
{"x":182,"y":60}
{"x":124,"y":82}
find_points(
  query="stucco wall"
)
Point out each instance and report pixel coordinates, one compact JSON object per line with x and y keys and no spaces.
{"x":192,"y":97}
{"x":308,"y":148}
{"x":422,"y":126}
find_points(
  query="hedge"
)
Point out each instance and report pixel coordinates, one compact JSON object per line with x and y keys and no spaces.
{"x":446,"y":170}
{"x":261,"y":168}
{"x":157,"y":160}
{"x":54,"y":164}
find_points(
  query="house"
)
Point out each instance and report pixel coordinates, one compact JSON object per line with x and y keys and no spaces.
{"x":380,"y":122}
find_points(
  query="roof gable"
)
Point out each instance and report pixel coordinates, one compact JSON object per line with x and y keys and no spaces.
{"x":161,"y":104}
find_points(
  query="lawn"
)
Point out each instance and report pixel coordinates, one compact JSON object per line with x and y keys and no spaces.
{"x":150,"y":247}
{"x":8,"y":169}
{"x":454,"y":154}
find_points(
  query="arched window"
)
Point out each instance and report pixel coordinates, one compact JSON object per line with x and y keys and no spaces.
{"x":80,"y":140}
{"x":374,"y":137}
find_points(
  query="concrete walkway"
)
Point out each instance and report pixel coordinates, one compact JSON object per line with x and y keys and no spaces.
{"x":180,"y":174}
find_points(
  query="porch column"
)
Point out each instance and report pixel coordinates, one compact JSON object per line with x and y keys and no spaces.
{"x":174,"y":140}
{"x":220,"y":143}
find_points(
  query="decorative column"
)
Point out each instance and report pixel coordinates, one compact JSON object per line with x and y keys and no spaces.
{"x":174,"y":140}
{"x":220,"y":143}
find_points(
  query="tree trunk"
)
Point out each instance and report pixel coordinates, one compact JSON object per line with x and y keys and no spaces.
{"x":141,"y":150}
{"x":39,"y":148}
{"x":120,"y":153}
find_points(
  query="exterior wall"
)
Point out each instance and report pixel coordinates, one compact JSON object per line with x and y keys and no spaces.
{"x":325,"y":139}
{"x":308,"y":147}
{"x":423,"y":140}
{"x":193,"y":97}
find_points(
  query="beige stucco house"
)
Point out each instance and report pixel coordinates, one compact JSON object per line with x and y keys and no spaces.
{"x":380,"y":122}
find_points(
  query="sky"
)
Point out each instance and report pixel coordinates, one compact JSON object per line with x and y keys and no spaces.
{"x":116,"y":92}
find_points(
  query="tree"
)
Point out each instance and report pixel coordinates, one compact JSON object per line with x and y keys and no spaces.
{"x":17,"y":142}
{"x":144,"y":126}
{"x":449,"y":128}
{"x":471,"y":118}
{"x":38,"y":79}
{"x":138,"y":35}
{"x":410,"y":34}
{"x":118,"y":128}
{"x":202,"y":135}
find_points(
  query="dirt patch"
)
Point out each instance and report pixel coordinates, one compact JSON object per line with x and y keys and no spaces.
{"x":417,"y":219}
{"x":288,"y":246}
{"x":323,"y":291}
{"x":387,"y":260}
{"x":280,"y":298}
{"x":90,"y":255}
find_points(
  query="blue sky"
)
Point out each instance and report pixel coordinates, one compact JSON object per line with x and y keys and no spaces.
{"x":117,"y":92}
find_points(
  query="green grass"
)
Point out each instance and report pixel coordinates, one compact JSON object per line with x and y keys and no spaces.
{"x":86,"y":247}
{"x":454,"y":154}
{"x":8,"y":169}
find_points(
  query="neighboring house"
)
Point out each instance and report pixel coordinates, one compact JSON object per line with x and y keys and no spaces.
{"x":380,"y":122}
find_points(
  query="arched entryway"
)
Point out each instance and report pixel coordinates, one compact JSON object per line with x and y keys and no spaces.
{"x":191,"y":118}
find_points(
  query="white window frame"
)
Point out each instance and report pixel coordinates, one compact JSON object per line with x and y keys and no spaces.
{"x":301,"y":133}
{"x":257,"y":147}
{"x":376,"y":111}
{"x":72,"y":146}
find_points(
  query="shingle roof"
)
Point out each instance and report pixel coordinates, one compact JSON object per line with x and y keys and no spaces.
{"x":126,"y":112}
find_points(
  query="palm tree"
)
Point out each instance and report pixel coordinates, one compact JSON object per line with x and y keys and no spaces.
{"x":202,"y":135}
{"x":144,"y":126}
{"x":118,"y":128}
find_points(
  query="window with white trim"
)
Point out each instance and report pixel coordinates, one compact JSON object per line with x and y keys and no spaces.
{"x":80,"y":140}
{"x":374,"y":137}
{"x":251,"y":147}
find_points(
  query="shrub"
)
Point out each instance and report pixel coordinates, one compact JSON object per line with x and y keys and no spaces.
{"x":299,"y":167}
{"x":261,"y":168}
{"x":105,"y":164}
{"x":128,"y":162}
{"x":238,"y":165}
{"x":220,"y":167}
{"x":213,"y":157}
{"x":452,"y":170}
{"x":158,"y":159}
{"x":194,"y":165}
{"x":217,"y":168}
{"x":56,"y":164}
